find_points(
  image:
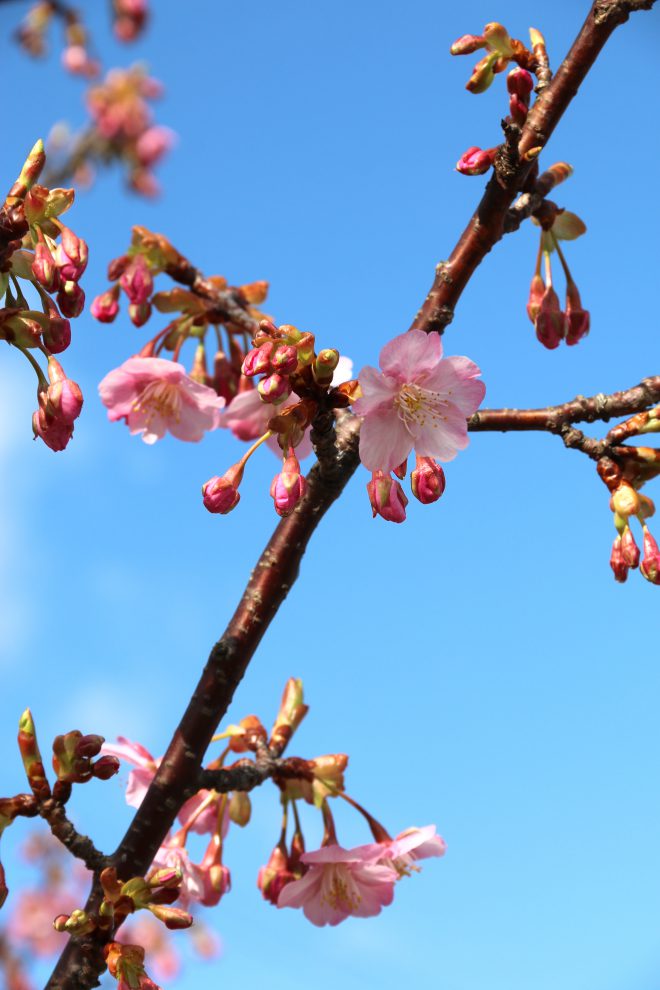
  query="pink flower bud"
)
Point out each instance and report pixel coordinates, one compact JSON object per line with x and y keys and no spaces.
{"x":475,"y":161}
{"x":221,"y":495}
{"x":64,"y":401}
{"x":284,"y":359}
{"x":550,"y":323}
{"x":57,"y":335}
{"x":577,"y":318}
{"x":629,"y":549}
{"x":137,"y":281}
{"x":77,"y":61}
{"x":387,"y":497}
{"x":71,"y":299}
{"x":536,"y":293}
{"x":427,"y":480}
{"x":520,"y":83}
{"x":54,"y":433}
{"x":274,"y":389}
{"x":467,"y":44}
{"x":617,"y":563}
{"x":44,"y":268}
{"x":139,"y":313}
{"x":257,"y":360}
{"x":482,"y":74}
{"x":106,"y":306}
{"x":650,"y":565}
{"x":288,"y":487}
{"x":71,"y":256}
{"x":275,"y":875}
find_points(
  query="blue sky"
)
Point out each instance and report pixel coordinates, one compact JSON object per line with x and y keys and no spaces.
{"x":484,"y":671}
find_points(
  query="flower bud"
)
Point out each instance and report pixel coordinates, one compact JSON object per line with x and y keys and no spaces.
{"x":498,"y":40}
{"x":482,"y":74}
{"x":221,"y":495}
{"x":54,"y":433}
{"x":139,"y":313}
{"x":520,"y":83}
{"x":650,"y":565}
{"x":536,"y":293}
{"x":240,"y":808}
{"x":291,"y":712}
{"x":71,"y":256}
{"x":550,"y":323}
{"x":467,"y":44}
{"x":325,"y":364}
{"x":44,"y":268}
{"x":57,"y":334}
{"x":64,"y":399}
{"x":387,"y":497}
{"x":288,"y":487}
{"x":257,"y":360}
{"x":275,"y":874}
{"x":172,"y":917}
{"x":136,"y":280}
{"x":577,"y":318}
{"x":617,"y":563}
{"x":427,"y":480}
{"x":105,"y":767}
{"x":274,"y":389}
{"x":106,"y":306}
{"x":475,"y":161}
{"x":71,"y":299}
{"x":284,"y":359}
{"x":629,"y":549}
{"x":31,"y":757}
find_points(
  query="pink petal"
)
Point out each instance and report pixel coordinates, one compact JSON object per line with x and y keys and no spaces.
{"x":444,"y":438}
{"x":456,"y":379}
{"x":378,"y":391}
{"x":411,"y":355}
{"x":337,"y":854}
{"x":385,"y":441}
{"x":246,"y":416}
{"x":132,"y":752}
{"x":193,"y":422}
{"x":417,"y":839}
{"x":138,"y":784}
{"x":298,"y":892}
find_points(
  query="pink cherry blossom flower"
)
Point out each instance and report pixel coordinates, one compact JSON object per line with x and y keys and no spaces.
{"x":418,"y":400}
{"x":411,"y":845}
{"x":154,"y":395}
{"x":174,"y":856}
{"x":247,"y":414}
{"x":341,"y":882}
{"x":146,"y":766}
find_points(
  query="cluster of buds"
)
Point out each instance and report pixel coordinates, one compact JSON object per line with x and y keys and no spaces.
{"x":123,"y":127}
{"x":39,"y":251}
{"x":387,"y":496}
{"x":552,"y":323}
{"x":156,"y":894}
{"x":477,"y":161}
{"x":72,"y":762}
{"x":292,"y":877}
{"x":295,"y":384}
{"x":501,"y":49}
{"x":31,"y":35}
{"x":640,"y":464}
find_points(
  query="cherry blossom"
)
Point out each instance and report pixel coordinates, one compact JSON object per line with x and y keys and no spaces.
{"x":418,"y":400}
{"x":145,"y":764}
{"x":341,"y":882}
{"x":154,"y":395}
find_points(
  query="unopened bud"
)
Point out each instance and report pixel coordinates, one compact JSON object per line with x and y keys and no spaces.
{"x":57,"y":333}
{"x":275,"y":875}
{"x":106,"y":306}
{"x":629,"y":549}
{"x":240,"y":808}
{"x":475,"y":161}
{"x":625,"y":500}
{"x":139,"y":313}
{"x":325,"y":364}
{"x":44,"y":268}
{"x":387,"y":497}
{"x":71,"y":299}
{"x":536,"y":293}
{"x":467,"y":44}
{"x":221,"y":495}
{"x":550,"y":323}
{"x":136,"y":280}
{"x":257,"y":360}
{"x":274,"y":389}
{"x":427,"y":480}
{"x":578,"y":320}
{"x":105,"y":767}
{"x":482,"y":74}
{"x":288,"y":487}
{"x":617,"y":563}
{"x":291,"y":713}
{"x":650,"y":565}
{"x":284,"y":359}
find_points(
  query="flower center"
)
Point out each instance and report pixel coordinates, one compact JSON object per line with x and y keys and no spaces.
{"x":340,"y":892}
{"x":420,"y":406}
{"x":159,"y":399}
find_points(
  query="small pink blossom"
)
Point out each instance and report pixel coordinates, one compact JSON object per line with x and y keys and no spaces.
{"x":341,"y":882}
{"x":145,"y":764}
{"x":418,"y":400}
{"x":411,"y":845}
{"x":153,"y":144}
{"x":154,"y":395}
{"x":175,"y":856}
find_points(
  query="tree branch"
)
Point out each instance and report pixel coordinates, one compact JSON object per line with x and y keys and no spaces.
{"x":488,"y":221}
{"x":82,"y":961}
